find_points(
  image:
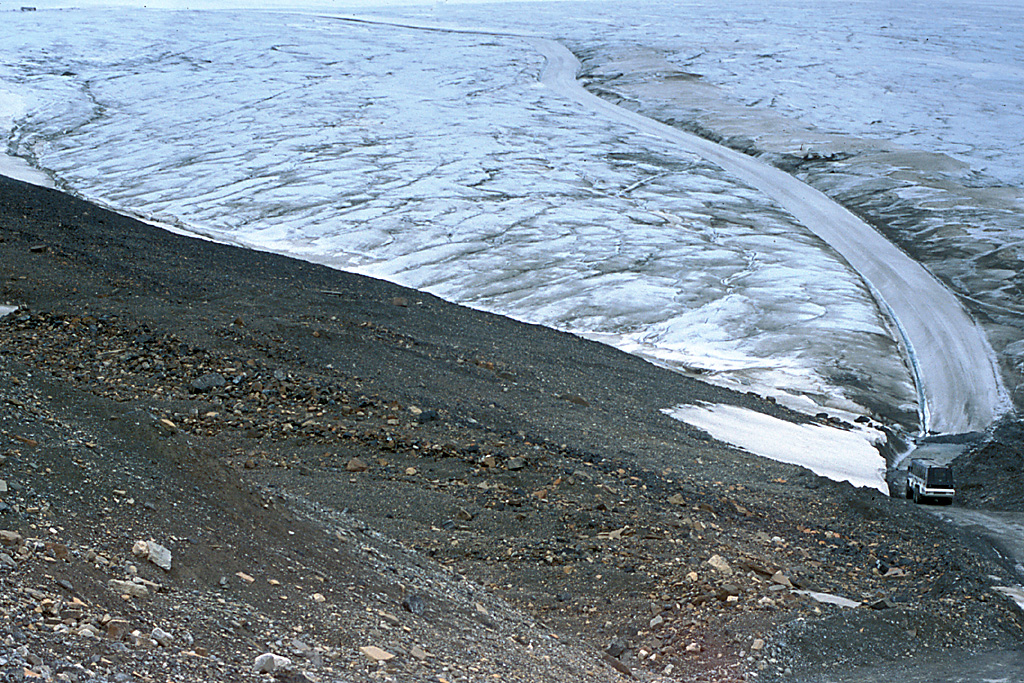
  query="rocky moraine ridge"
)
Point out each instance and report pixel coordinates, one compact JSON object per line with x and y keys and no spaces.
{"x":218,"y":464}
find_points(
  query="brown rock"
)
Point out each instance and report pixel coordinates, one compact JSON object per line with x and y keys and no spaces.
{"x":376,"y":654}
{"x":10,"y":537}
{"x":117,"y":629}
{"x":356,"y":465}
{"x":59,"y":550}
{"x":617,"y":665}
{"x":128,"y":588}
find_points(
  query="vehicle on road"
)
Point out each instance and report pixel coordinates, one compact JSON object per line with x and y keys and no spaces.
{"x":928,"y":480}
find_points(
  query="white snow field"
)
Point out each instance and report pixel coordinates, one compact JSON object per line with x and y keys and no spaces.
{"x":439,"y":160}
{"x":832,"y":452}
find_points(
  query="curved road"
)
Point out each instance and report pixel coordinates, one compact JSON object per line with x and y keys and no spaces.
{"x":958,"y":382}
{"x":955,"y":369}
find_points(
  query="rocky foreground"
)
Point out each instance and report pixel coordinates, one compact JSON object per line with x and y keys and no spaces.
{"x":223,"y":465}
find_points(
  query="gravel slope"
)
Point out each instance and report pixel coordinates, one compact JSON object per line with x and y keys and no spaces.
{"x":337,"y":463}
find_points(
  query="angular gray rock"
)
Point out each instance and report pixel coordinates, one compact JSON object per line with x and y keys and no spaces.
{"x":154,"y":552}
{"x":210,"y":380}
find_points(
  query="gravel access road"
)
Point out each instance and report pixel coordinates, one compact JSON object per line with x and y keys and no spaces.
{"x":954,"y":366}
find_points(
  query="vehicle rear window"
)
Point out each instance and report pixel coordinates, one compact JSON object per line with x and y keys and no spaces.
{"x":940,"y":476}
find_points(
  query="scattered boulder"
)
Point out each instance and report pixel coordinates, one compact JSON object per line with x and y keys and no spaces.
{"x":116,"y":629}
{"x":154,"y":552}
{"x":719,"y":563}
{"x":616,"y":648}
{"x":10,"y":538}
{"x":134,"y":590}
{"x":884,"y":603}
{"x":268,"y":663}
{"x":727,"y":591}
{"x":618,"y":666}
{"x":414,"y":604}
{"x":575,"y":399}
{"x":165,"y":427}
{"x":210,"y":380}
{"x":376,"y":654}
{"x":356,"y":465}
{"x":162,"y":637}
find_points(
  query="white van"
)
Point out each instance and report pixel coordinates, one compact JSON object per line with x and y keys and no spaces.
{"x":929,"y":480}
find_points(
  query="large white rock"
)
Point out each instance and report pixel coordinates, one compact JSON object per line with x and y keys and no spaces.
{"x":720,"y":563}
{"x":154,"y":552}
{"x":161,"y":636}
{"x":128,"y":588}
{"x":268,"y":663}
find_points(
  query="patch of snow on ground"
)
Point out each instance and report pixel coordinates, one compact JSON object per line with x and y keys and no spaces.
{"x":1015,"y":593}
{"x":829,"y":599}
{"x":838,"y":454}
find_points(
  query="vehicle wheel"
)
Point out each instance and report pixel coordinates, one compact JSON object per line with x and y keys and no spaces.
{"x":917,"y":496}
{"x":910,"y":492}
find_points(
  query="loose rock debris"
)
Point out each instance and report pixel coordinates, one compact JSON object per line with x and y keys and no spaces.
{"x":496,"y":532}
